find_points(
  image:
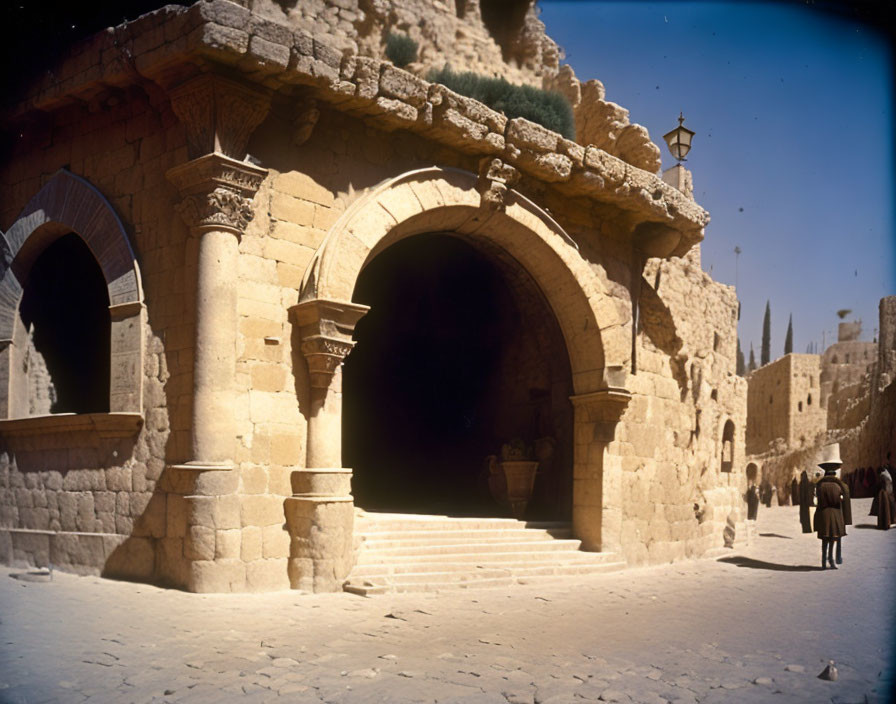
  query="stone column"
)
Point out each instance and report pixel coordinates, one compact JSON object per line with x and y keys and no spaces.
{"x":216,"y":188}
{"x":217,"y":193}
{"x":597,"y":474}
{"x":320,"y":514}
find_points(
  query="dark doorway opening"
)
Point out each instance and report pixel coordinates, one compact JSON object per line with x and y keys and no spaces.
{"x":66,"y":306}
{"x":458,"y":354}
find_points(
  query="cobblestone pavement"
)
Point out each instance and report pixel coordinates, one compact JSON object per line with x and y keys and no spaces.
{"x":758,"y":626}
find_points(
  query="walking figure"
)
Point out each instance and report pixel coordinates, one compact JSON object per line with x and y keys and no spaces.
{"x":834,"y":511}
{"x":805,"y":502}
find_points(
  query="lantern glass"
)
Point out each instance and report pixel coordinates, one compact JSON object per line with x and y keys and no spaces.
{"x":679,"y":140}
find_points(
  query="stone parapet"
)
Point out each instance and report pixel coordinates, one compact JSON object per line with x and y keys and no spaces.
{"x":277,"y":57}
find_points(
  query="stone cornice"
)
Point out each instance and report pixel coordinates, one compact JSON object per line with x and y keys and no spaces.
{"x":172,"y":45}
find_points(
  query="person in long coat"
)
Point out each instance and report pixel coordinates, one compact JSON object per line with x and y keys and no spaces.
{"x":884,"y":506}
{"x":805,"y":502}
{"x":832,"y":494}
{"x":794,"y":492}
{"x":752,"y":502}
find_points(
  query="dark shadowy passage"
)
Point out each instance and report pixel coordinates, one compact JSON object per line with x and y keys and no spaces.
{"x":66,"y":301}
{"x":459,"y":354}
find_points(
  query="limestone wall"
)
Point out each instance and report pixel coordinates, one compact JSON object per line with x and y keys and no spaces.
{"x":784,"y":402}
{"x":677,"y":498}
{"x":76,"y":495}
{"x":105,"y":492}
{"x":844,"y":364}
{"x":808,"y":417}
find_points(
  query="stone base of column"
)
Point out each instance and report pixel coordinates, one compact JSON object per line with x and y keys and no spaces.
{"x":320,"y":520}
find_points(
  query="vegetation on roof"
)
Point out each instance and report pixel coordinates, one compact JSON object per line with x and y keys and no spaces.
{"x":401,"y":50}
{"x":548,"y":108}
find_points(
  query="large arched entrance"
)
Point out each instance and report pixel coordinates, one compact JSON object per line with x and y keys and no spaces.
{"x":530,"y":258}
{"x":458,"y":355}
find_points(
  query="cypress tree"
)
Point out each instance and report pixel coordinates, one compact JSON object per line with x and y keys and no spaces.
{"x":739,"y":369}
{"x":752,"y":366}
{"x":788,"y":340}
{"x":766,"y":351}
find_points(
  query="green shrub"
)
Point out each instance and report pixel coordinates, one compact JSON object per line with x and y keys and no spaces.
{"x":401,"y":49}
{"x":547,"y":108}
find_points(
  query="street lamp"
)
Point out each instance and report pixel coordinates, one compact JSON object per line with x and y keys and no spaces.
{"x":679,"y":140}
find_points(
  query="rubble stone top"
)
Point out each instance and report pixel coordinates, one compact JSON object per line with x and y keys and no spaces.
{"x":173,"y":44}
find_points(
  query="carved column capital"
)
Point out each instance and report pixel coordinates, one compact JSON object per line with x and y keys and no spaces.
{"x":219,"y":114}
{"x":495,"y":178}
{"x":325,"y":328}
{"x":217,"y":192}
{"x":324,"y":355}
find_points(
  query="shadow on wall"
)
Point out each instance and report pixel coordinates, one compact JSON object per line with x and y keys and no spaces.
{"x":657,"y":323}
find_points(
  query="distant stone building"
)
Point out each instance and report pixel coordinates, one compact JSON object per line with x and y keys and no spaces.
{"x":787,"y":426}
{"x":784,"y":401}
{"x":846,"y":361}
{"x":255,"y":276}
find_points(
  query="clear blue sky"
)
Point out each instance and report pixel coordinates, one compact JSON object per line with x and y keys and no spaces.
{"x":794,"y":153}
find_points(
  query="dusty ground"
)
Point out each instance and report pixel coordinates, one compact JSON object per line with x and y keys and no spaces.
{"x":755,"y":628}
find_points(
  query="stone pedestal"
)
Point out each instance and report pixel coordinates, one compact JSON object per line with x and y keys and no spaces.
{"x":320,"y":520}
{"x":320,"y":514}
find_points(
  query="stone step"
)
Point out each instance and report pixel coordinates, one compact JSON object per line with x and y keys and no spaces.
{"x":506,"y":561}
{"x":377,"y":522}
{"x":406,"y":552}
{"x":482,"y":579}
{"x":464,"y":548}
{"x":435,"y":537}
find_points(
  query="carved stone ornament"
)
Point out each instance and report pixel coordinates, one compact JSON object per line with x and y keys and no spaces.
{"x":217,"y":192}
{"x":495,"y":178}
{"x":324,"y":355}
{"x":219,"y":114}
{"x":222,"y":208}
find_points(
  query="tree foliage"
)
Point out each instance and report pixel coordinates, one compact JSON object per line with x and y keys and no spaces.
{"x":548,"y":108}
{"x":740,"y":366}
{"x":765,"y":352}
{"x":752,"y":367}
{"x":788,"y":340}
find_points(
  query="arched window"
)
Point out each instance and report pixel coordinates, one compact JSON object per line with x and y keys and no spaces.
{"x":65,"y":315}
{"x":847,"y":359}
{"x":799,"y":406}
{"x":834,"y":360}
{"x":809,"y":400}
{"x":752,"y":473}
{"x":728,"y":446}
{"x":71,"y":310}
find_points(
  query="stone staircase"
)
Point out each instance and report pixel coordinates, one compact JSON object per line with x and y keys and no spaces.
{"x":416,"y":553}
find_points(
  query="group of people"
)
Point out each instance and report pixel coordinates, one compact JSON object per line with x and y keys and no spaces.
{"x":830,"y":496}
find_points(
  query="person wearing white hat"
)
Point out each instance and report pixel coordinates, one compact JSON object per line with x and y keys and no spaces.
{"x":834,"y":512}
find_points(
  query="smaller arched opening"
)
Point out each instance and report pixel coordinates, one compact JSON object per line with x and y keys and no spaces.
{"x":71,"y":308}
{"x":728,"y":446}
{"x":809,"y":400}
{"x":64,"y":328}
{"x":752,"y":473}
{"x":799,"y":406}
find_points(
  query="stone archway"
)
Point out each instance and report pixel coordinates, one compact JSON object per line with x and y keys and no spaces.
{"x":454,"y":201}
{"x":68,"y":203}
{"x":458,"y":355}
